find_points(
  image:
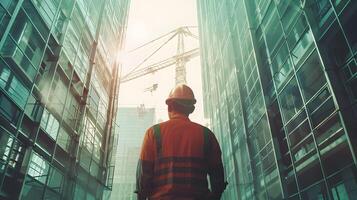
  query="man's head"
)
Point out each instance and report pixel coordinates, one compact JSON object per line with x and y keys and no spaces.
{"x":181,"y":99}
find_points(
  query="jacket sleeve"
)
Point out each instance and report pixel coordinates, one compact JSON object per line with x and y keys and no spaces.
{"x":145,"y":168}
{"x":215,"y":168}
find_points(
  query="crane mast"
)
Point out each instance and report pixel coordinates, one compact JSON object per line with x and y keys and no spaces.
{"x":180,"y":71}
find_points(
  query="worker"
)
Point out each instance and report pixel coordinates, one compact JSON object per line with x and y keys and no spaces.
{"x":177,"y":155}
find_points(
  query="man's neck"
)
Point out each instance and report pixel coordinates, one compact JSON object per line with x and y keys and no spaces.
{"x":175,"y":115}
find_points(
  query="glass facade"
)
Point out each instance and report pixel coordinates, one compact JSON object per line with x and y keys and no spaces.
{"x":133,"y":123}
{"x":58,"y":97}
{"x":280,"y":82}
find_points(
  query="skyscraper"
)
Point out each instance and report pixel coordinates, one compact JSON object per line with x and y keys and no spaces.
{"x":58,"y":97}
{"x":280,"y":89}
{"x":133,"y":122}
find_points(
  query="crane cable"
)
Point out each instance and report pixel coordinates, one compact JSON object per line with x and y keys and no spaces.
{"x":185,"y":30}
{"x":147,"y":58}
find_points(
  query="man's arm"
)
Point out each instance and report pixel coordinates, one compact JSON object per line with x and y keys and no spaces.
{"x":145,"y":168}
{"x":215,"y":169}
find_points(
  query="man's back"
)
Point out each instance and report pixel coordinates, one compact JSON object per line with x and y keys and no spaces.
{"x":181,"y":137}
{"x":177,"y":155}
{"x":182,"y":164}
{"x":182,"y":154}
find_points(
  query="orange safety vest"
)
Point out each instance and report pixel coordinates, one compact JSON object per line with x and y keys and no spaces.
{"x":175,"y":159}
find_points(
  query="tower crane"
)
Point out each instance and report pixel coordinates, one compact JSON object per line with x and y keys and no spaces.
{"x":179,"y":60}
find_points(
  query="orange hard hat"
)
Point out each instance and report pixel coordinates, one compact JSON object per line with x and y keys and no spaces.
{"x":182,"y":92}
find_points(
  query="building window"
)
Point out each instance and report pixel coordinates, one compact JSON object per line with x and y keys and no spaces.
{"x":24,"y":45}
{"x":100,"y":97}
{"x":11,"y":84}
{"x":88,"y":137}
{"x":4,"y":75}
{"x":4,"y":20}
{"x":311,"y":77}
{"x":348,"y":18}
{"x":328,"y":129}
{"x":281,"y":66}
{"x":9,"y":5}
{"x":297,"y":32}
{"x":299,"y":133}
{"x":336,"y":154}
{"x":58,"y":93}
{"x":79,"y":192}
{"x":316,"y":192}
{"x":342,"y":185}
{"x":300,"y":50}
{"x":93,"y":101}
{"x":47,"y":10}
{"x":8,"y":109}
{"x":94,"y":169}
{"x":70,"y":43}
{"x":38,"y":168}
{"x":305,"y":148}
{"x":71,"y":111}
{"x":272,"y":28}
{"x":339,"y":192}
{"x":36,"y":20}
{"x":60,"y":24}
{"x":49,"y":124}
{"x":352,"y":86}
{"x":34,"y":108}
{"x":290,"y":100}
{"x":352,"y":67}
{"x":64,"y":139}
{"x":11,"y":150}
{"x":82,"y":63}
{"x":334,"y":46}
{"x":56,"y":180}
{"x":97,"y":145}
{"x":322,"y":13}
{"x":289,"y":14}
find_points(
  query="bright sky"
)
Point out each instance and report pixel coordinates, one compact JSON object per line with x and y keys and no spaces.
{"x":149,"y":19}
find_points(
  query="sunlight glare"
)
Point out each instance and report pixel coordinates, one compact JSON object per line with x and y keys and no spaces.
{"x":137,"y":34}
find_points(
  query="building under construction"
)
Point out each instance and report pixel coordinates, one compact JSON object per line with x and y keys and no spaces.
{"x":280,"y":89}
{"x":58,"y":97}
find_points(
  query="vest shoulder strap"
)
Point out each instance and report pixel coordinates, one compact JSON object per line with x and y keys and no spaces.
{"x":157,"y":135}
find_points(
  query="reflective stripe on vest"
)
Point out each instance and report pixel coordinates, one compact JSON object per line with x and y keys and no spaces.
{"x":197,"y":182}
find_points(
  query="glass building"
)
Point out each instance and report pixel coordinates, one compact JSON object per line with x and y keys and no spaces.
{"x":133,"y":123}
{"x":280,"y":89}
{"x":58,"y":97}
